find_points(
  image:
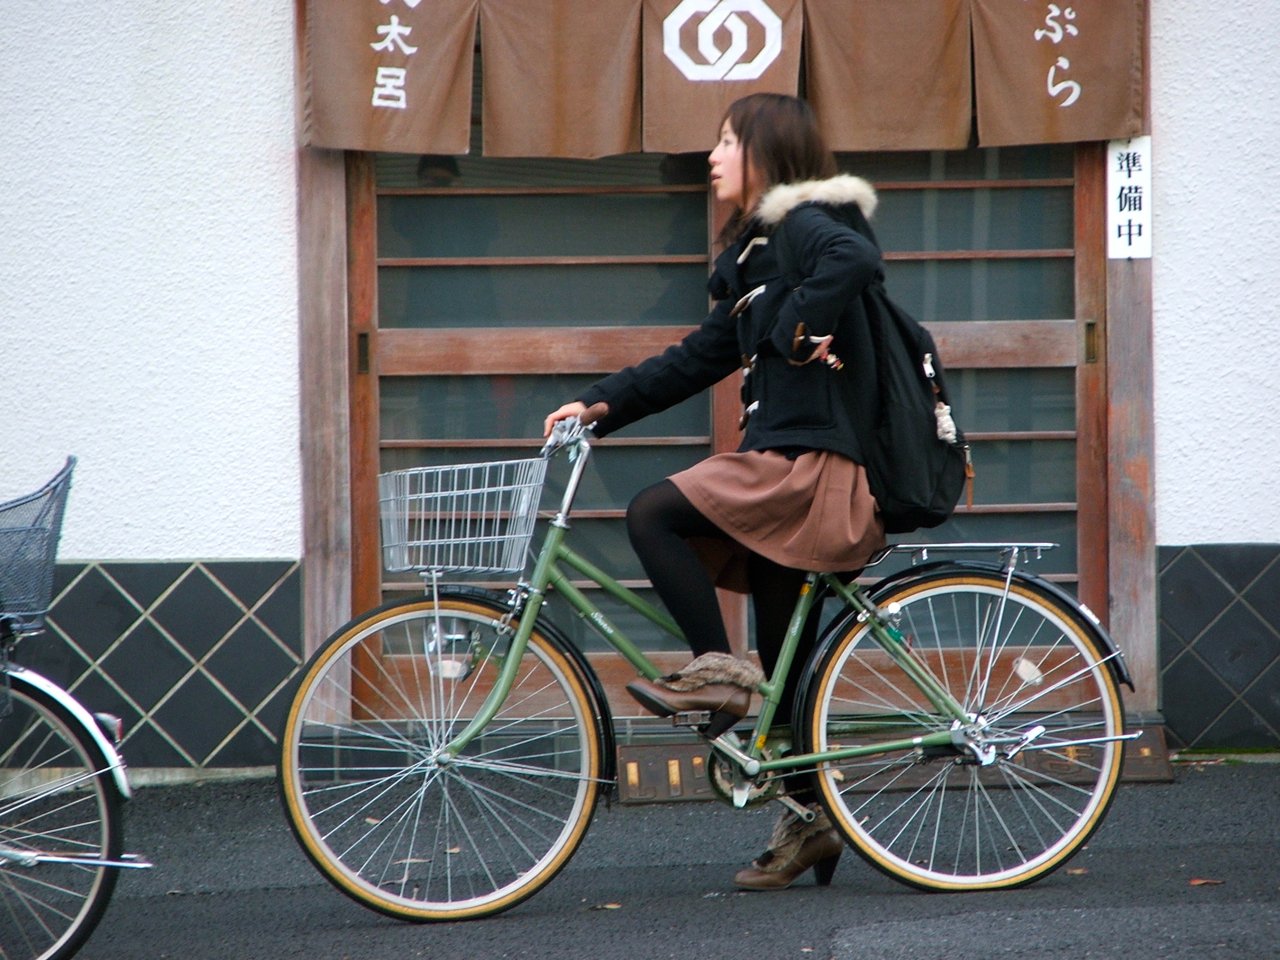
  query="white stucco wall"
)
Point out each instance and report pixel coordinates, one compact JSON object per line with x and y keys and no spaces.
{"x":1216,"y":141}
{"x":148,"y":315}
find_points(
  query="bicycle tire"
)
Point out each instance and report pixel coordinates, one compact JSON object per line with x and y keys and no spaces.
{"x":56,"y":799}
{"x":942,"y":819}
{"x":422,"y":841}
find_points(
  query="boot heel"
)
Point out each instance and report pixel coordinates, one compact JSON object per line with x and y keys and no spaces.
{"x":824,"y":870}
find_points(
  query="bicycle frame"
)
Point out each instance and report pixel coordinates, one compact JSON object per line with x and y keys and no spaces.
{"x":549,"y":572}
{"x":442,"y":758}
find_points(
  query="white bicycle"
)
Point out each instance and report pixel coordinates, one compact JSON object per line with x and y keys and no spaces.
{"x":62,"y":779}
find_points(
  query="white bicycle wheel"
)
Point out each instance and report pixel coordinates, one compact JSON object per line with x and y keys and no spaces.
{"x":57,"y":806}
{"x":1032,"y":768}
{"x":373,"y":805}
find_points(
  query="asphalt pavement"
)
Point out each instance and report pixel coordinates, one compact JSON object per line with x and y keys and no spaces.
{"x":1181,"y":870}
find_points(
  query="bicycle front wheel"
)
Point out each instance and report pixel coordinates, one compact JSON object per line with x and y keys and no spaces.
{"x":364,"y":785}
{"x":59,"y":812}
{"x":1032,"y":767}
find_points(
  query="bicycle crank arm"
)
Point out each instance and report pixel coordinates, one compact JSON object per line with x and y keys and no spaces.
{"x":798,"y":808}
{"x":748,"y":764}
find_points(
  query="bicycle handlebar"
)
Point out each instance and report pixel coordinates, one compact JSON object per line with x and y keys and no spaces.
{"x":574,"y":429}
{"x":566,"y":432}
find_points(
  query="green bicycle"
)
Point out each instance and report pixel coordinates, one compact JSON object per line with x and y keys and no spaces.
{"x":442,"y":757}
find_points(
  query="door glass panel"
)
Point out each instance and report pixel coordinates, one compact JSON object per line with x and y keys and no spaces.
{"x":543,"y":225}
{"x":1020,"y":289}
{"x":604,"y":542}
{"x":534,"y":173}
{"x":507,"y":407}
{"x":1014,"y":399}
{"x":1006,"y":163}
{"x":975,"y":219}
{"x":542,"y":295}
{"x":1024,"y":471}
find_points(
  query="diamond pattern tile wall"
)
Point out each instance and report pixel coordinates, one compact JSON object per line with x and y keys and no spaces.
{"x":1220,"y":644}
{"x":194,"y":657}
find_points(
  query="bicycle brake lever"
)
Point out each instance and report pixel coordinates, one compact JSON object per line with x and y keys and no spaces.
{"x":563,"y":433}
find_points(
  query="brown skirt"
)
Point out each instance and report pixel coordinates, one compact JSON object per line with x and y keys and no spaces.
{"x":815,"y":512}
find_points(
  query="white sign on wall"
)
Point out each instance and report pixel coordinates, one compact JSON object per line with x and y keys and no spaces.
{"x":1129,"y":199}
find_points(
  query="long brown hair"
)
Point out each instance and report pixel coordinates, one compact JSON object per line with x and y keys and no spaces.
{"x":780,"y":142}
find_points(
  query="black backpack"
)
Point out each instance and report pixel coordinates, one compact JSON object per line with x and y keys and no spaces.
{"x":916,"y":477}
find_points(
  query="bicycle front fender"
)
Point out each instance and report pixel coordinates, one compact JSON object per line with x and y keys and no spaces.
{"x":110,"y":756}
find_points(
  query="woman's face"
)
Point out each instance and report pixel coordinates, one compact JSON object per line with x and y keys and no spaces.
{"x":728,"y":171}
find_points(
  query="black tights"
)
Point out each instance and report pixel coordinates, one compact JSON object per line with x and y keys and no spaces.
{"x":660,"y":522}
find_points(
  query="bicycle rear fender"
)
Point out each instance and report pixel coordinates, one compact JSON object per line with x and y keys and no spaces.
{"x":604,"y":718}
{"x":110,"y":758}
{"x":1078,"y":611}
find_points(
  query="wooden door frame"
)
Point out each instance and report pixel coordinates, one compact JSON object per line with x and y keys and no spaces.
{"x":338,"y":386}
{"x":1116,"y":453}
{"x":325,"y":424}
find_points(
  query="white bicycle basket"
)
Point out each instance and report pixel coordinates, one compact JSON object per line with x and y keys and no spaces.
{"x":465,"y":518}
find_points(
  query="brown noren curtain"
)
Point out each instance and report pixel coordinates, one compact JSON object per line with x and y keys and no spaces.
{"x":558,"y":83}
{"x":890,"y":74}
{"x":394,"y":77}
{"x":591,"y":78}
{"x":701,"y":55}
{"x":1059,"y":72}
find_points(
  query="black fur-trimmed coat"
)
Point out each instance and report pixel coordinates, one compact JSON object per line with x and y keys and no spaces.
{"x":765,"y":314}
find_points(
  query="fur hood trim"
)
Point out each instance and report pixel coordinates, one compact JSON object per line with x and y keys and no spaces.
{"x":837,"y":191}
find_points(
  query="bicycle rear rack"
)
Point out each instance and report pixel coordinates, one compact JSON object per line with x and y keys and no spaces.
{"x":1011,"y":552}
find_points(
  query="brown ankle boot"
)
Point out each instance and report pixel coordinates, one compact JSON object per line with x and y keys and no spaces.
{"x":794,"y":847}
{"x":719,"y":683}
{"x":714,"y":697}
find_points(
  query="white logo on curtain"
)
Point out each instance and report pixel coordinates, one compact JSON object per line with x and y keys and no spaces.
{"x":724,"y":64}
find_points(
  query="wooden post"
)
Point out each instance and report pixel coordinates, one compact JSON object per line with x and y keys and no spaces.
{"x":1131,"y":480}
{"x":322,"y":349}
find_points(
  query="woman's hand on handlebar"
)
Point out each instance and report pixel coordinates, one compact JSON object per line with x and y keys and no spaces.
{"x":575,"y":408}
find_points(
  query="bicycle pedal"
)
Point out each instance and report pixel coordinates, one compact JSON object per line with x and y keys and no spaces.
{"x":691,"y":718}
{"x":708,"y":723}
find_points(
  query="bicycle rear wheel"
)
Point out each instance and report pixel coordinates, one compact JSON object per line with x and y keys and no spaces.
{"x":407,"y":835}
{"x":56,"y":801}
{"x":1032,"y":769}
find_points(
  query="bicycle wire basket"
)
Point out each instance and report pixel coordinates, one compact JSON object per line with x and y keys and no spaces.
{"x":29,"y":531}
{"x":464,"y":518}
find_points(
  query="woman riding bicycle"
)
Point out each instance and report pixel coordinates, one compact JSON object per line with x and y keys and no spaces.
{"x":794,"y":496}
